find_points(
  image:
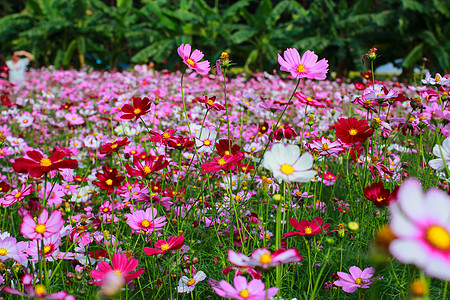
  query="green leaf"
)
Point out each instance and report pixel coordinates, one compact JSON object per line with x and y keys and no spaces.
{"x":154,"y":8}
{"x":242,"y":35}
{"x":413,"y":56}
{"x":69,"y":53}
{"x":276,"y":13}
{"x":234,"y":8}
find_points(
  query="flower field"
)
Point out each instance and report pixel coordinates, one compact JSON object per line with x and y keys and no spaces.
{"x":196,"y":184}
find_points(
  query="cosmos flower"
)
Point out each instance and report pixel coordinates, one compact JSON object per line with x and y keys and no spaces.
{"x":187,"y":285}
{"x":139,"y":108}
{"x":263,"y":258}
{"x":37,"y":165}
{"x":162,"y":246}
{"x":193,"y":60}
{"x":286,"y":164}
{"x":44,"y":226}
{"x":109,"y":179}
{"x":121,"y":266}
{"x":444,"y":157}
{"x":356,"y":279}
{"x":326,"y":147}
{"x":421,"y":223}
{"x":379,"y":195}
{"x":225,"y":163}
{"x":352,"y":130}
{"x":306,"y":66}
{"x":307,"y":228}
{"x":242,"y":290}
{"x":146,"y":221}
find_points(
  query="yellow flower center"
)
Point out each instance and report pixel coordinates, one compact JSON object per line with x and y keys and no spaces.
{"x":353,"y":131}
{"x":166,"y":135}
{"x":39,"y":290}
{"x":206,"y":142}
{"x":265,"y":259}
{"x":118,"y":273}
{"x":17,"y":195}
{"x":190,"y":282}
{"x":137,"y":111}
{"x":3,"y":251}
{"x":40,"y":228}
{"x":114,"y":146}
{"x":301,"y":68}
{"x":287,"y":169}
{"x":45,"y":162}
{"x":25,"y":121}
{"x":244,"y":293}
{"x":438,"y":78}
{"x":47,"y":249}
{"x":325,"y":147}
{"x":164,"y":247}
{"x":379,"y":199}
{"x":145,"y":223}
{"x":147,"y":169}
{"x":190,"y":62}
{"x":308,"y":230}
{"x":438,"y":237}
{"x":109,"y":182}
{"x":309,"y":99}
{"x":210,"y":102}
{"x":358,"y":281}
{"x":221,"y":162}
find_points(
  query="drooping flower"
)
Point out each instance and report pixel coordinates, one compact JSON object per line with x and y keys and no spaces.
{"x":43,"y":227}
{"x":286,"y":164}
{"x":421,"y":224}
{"x":352,"y":130}
{"x":379,"y":195}
{"x":306,"y":66}
{"x":210,"y":103}
{"x":187,"y":285}
{"x":225,"y":163}
{"x":263,"y":258}
{"x":193,"y":60}
{"x":308,"y":100}
{"x":307,"y":228}
{"x":38,"y":165}
{"x":114,"y":146}
{"x":162,"y":246}
{"x":443,"y":152}
{"x":121,"y":265}
{"x":146,"y":221}
{"x":243,"y":290}
{"x":139,"y":108}
{"x":16,"y":195}
{"x":356,"y":279}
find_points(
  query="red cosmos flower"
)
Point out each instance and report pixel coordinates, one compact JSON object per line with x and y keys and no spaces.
{"x":39,"y":165}
{"x":121,"y":265}
{"x":366,"y":75}
{"x":307,"y":228}
{"x":151,"y":164}
{"x":210,"y":103}
{"x":223,"y":147}
{"x":162,"y":246}
{"x":359,"y":86}
{"x":161,"y":138}
{"x":379,"y":195}
{"x":108,"y":180}
{"x":139,"y":108}
{"x":352,"y":130}
{"x":4,"y":187}
{"x":180,"y":142}
{"x":114,"y":146}
{"x":226,"y":163}
{"x":247,"y":168}
{"x":284,"y":131}
{"x":308,"y":100}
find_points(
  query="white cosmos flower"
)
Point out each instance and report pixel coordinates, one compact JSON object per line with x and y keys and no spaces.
{"x":438,"y":163}
{"x":286,"y":164}
{"x":187,"y":285}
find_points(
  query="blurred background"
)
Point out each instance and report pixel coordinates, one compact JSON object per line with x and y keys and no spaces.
{"x":117,"y":34}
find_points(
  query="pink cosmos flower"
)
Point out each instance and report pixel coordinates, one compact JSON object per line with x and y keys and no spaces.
{"x":305,"y":66}
{"x":308,"y":100}
{"x":45,"y":227}
{"x":242,"y":290}
{"x":356,"y":279}
{"x":74,"y":119}
{"x":121,"y":266}
{"x":51,"y":246}
{"x":162,"y":246}
{"x":146,"y":221}
{"x":326,"y":147}
{"x":264,"y":258}
{"x":421,"y":224}
{"x":16,"y":195}
{"x":193,"y":60}
{"x":10,"y":248}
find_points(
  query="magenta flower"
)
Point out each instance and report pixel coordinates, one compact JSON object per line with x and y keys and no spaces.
{"x":162,"y":246}
{"x":305,"y":66}
{"x":146,"y":221}
{"x":10,"y":248}
{"x":45,"y":226}
{"x":121,"y":266}
{"x":264,"y":258}
{"x":356,"y":279}
{"x":193,"y":60}
{"x":16,"y":195}
{"x":242,"y":290}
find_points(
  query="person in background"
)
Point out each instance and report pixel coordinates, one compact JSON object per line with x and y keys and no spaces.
{"x":17,"y":65}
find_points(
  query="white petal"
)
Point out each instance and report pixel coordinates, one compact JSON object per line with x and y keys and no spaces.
{"x":437,"y":164}
{"x":437,"y":204}
{"x":438,"y":268}
{"x":411,"y":199}
{"x":402,"y":226}
{"x":409,"y":252}
{"x":304,"y":176}
{"x":305,"y":162}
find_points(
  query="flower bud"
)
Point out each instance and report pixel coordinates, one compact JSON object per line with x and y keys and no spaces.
{"x":353,"y":226}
